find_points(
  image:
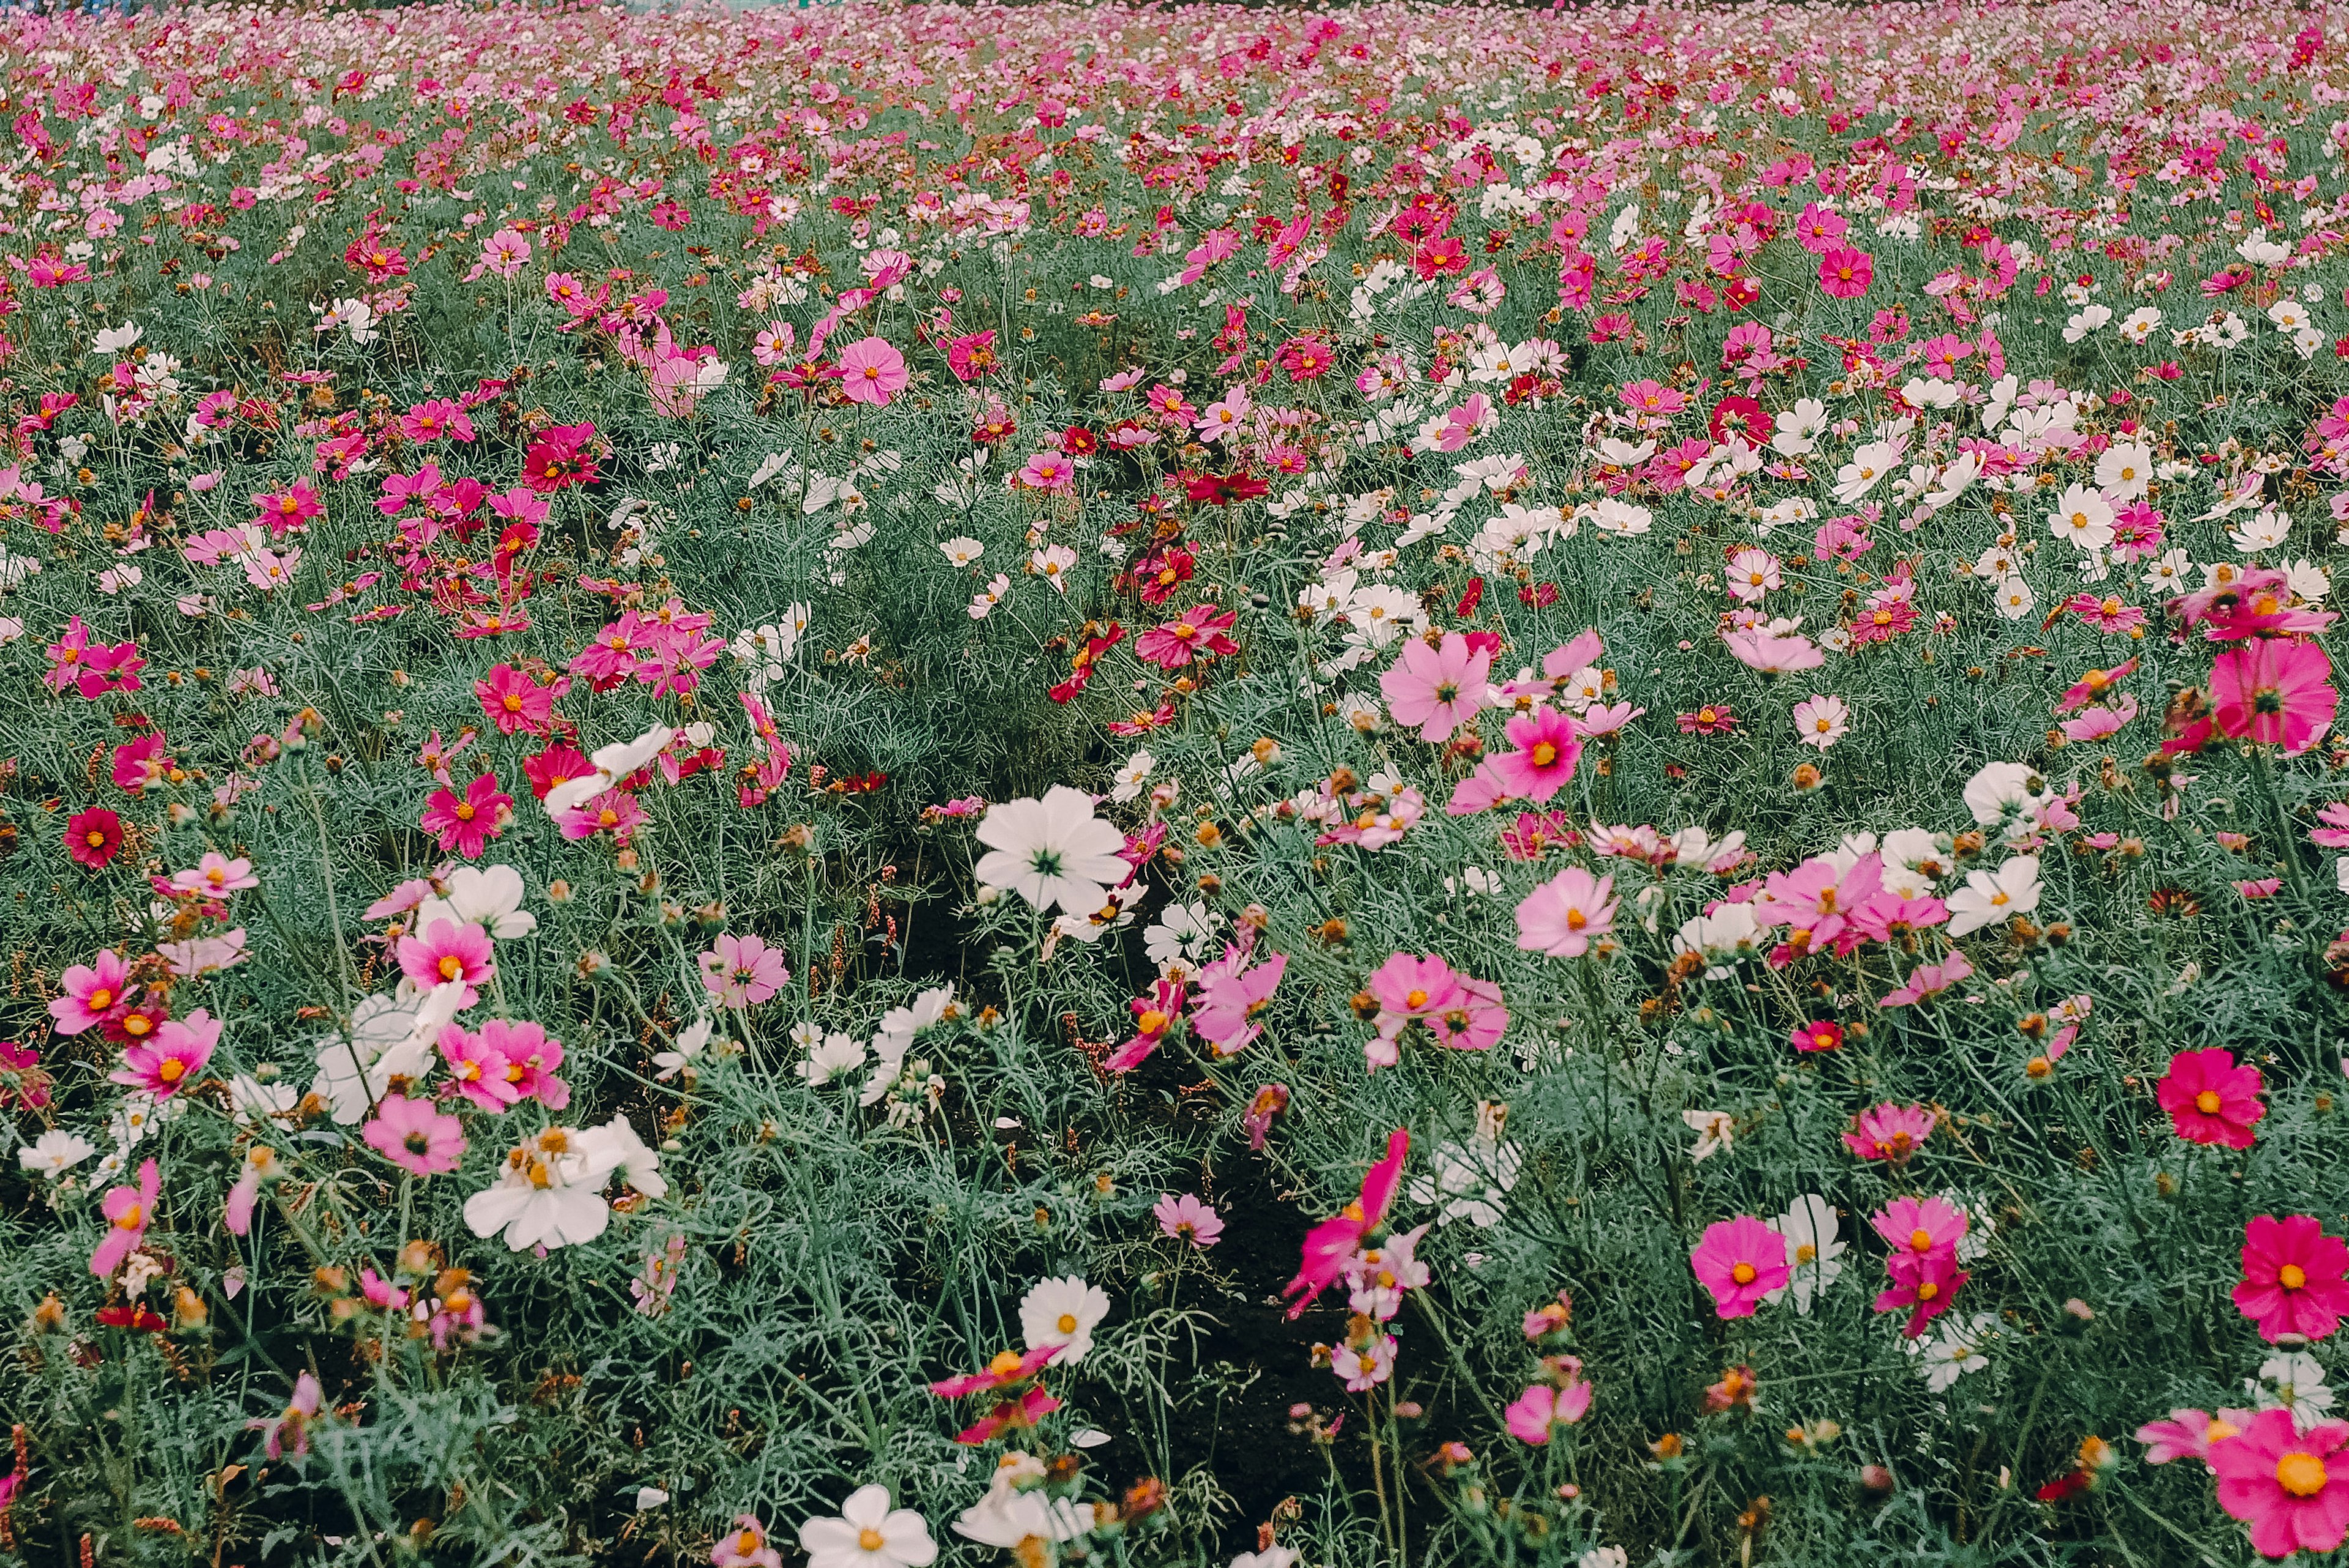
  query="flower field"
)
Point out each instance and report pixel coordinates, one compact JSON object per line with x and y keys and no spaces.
{"x":872,"y":785}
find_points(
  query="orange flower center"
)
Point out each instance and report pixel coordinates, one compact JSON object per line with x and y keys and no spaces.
{"x":1005,"y":1364}
{"x":1742,"y":1273}
{"x":464,"y":811}
{"x":2302,"y":1475}
{"x":2293,"y":1277}
{"x":1545,"y":754}
{"x":1921,"y":1240}
{"x":100,"y":999}
{"x":451,"y":966}
{"x":132,"y":1217}
{"x":171,"y":1070}
{"x":870,"y":1539}
{"x":2207,"y":1102}
{"x":1152,"y":1022}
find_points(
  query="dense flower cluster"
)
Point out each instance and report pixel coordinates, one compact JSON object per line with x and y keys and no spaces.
{"x":1189,"y":784}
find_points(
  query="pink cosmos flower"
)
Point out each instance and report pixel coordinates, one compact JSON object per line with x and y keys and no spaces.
{"x":128,"y":1211}
{"x":616,"y":812}
{"x":1171,"y":646}
{"x":1921,"y":1227}
{"x":742,"y":971}
{"x":478,"y":1070}
{"x":1408,"y":988}
{"x":1048,"y":470}
{"x":1566,"y":914}
{"x":1740,"y":1261}
{"x":466,"y":824}
{"x":745,"y":1546}
{"x":1229,"y":1002}
{"x":2291,"y":1485}
{"x":531,"y":1056}
{"x":2293,"y":1277}
{"x":1186,"y":1218}
{"x":1930,"y":980}
{"x":1438,"y":688}
{"x":289,"y":1431}
{"x":1330,"y":1244}
{"x":448,"y":952}
{"x":1476,"y":1021}
{"x":513,"y":700}
{"x":1544,"y":1408}
{"x":414,"y":1137}
{"x":1822,"y":1035}
{"x":1890,"y":1133}
{"x":1154,"y":1017}
{"x":216,"y":875}
{"x":1924,"y":1286}
{"x":871,"y":371}
{"x":1773,"y":654}
{"x":1845,"y":272}
{"x":2189,"y":1434}
{"x":1547,"y":749}
{"x":2274,"y":691}
{"x":174,"y":1059}
{"x":94,"y":992}
{"x":2210,"y":1099}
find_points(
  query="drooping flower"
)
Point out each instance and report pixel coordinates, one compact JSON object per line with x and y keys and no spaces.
{"x":1924,"y":1284}
{"x":1535,"y":1414}
{"x":1062,"y":1314}
{"x":289,"y":1431}
{"x":2293,"y":1280}
{"x":1740,"y":1261}
{"x":2210,"y":1100}
{"x":1330,"y":1244}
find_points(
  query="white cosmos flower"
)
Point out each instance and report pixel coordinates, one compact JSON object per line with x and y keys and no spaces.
{"x":549,"y":1193}
{"x":612,"y":764}
{"x":1814,"y":1249}
{"x":1992,"y":896}
{"x":486,"y":895}
{"x":2083,"y":516}
{"x":1953,"y":1351}
{"x":1052,"y":852}
{"x":869,"y":1533}
{"x":1180,"y":937}
{"x":1063,"y":1312}
{"x":54,"y":1152}
{"x":2124,"y":469}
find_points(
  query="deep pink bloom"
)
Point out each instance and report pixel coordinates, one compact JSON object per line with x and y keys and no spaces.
{"x":1171,"y":646}
{"x":448,"y":952}
{"x":2211,"y":1099}
{"x":1822,"y":1035}
{"x":1845,"y":272}
{"x":1154,"y":1017}
{"x":478,"y":1069}
{"x":871,"y":371}
{"x":742,"y":971}
{"x":174,"y":1060}
{"x":2293,"y":1277}
{"x":1740,"y":1261}
{"x":1438,"y":688}
{"x":128,"y":1209}
{"x":1921,"y":1227}
{"x":1928,"y":980}
{"x":1330,"y":1244}
{"x":1923,"y":1285}
{"x":413,"y":1136}
{"x":1186,"y":1218}
{"x":531,"y":1056}
{"x":93,"y":993}
{"x":1890,"y":1133}
{"x":465,"y":824}
{"x":22,"y":1082}
{"x":1543,"y":1408}
{"x":1546,"y":751}
{"x":1006,"y":1368}
{"x":513,"y":700}
{"x":2274,"y":691}
{"x":1566,"y":914}
{"x":93,"y":838}
{"x":2292,"y":1487}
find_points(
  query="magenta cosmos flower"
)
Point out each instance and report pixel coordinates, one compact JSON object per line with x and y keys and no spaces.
{"x":1224,"y":1014}
{"x":127,"y":1210}
{"x":1921,"y":1227}
{"x":174,"y":1059}
{"x":1437,"y":689}
{"x":1845,"y":272}
{"x":1890,"y":1133}
{"x":466,"y":823}
{"x":1171,"y":646}
{"x":414,"y":1137}
{"x":94,"y":992}
{"x":2211,"y":1099}
{"x":1547,"y":749}
{"x":448,"y":952}
{"x":1330,"y":1245}
{"x":2292,"y":1487}
{"x":1740,"y":1261}
{"x":2293,"y":1277}
{"x":289,"y":1431}
{"x":2274,"y":691}
{"x":742,"y":971}
{"x":871,"y":371}
{"x":1924,"y":1286}
{"x":1566,"y":914}
{"x":478,"y":1070}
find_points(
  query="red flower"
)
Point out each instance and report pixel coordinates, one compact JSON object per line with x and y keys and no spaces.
{"x":94,"y":837}
{"x":1740,"y":418}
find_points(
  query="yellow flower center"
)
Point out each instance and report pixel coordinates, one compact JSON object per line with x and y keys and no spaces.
{"x":100,"y":999}
{"x":2293,"y":1277}
{"x":450,"y":966}
{"x":1185,"y":630}
{"x":1742,"y":1273}
{"x":1921,"y":1240}
{"x":1576,"y":919}
{"x":1416,"y":999}
{"x":171,"y":1070}
{"x":1807,"y":1254}
{"x":132,"y":1217}
{"x":869,"y":1540}
{"x":1152,"y":1022}
{"x":94,"y":838}
{"x":746,"y":1543}
{"x":1005,"y":1364}
{"x":2302,"y":1475}
{"x":1928,"y":1291}
{"x":136,"y":1024}
{"x":1067,"y":1322}
{"x":1545,"y":754}
{"x":2207,"y":1102}
{"x":464,"y":811}
{"x":514,"y":703}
